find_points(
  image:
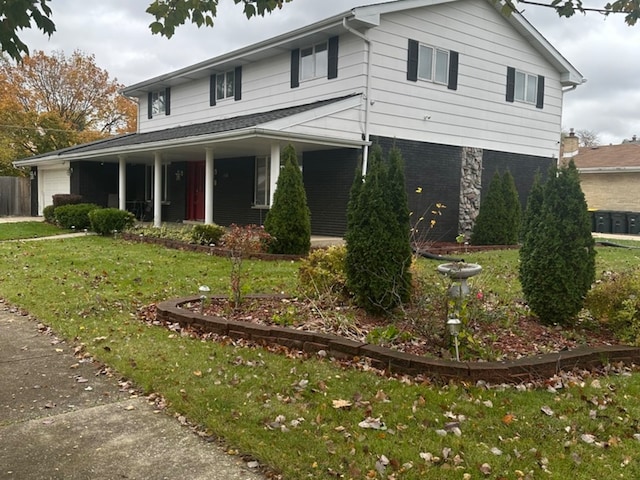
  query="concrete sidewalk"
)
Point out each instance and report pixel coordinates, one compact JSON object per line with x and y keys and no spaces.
{"x":61,"y":418}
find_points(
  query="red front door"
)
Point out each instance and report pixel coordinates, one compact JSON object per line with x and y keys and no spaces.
{"x":195,"y":191}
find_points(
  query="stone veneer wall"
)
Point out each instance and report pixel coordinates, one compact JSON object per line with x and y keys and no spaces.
{"x":470,"y":189}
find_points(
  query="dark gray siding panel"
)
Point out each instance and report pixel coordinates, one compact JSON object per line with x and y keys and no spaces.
{"x":94,"y":181}
{"x":523,"y":168}
{"x":175,"y":209}
{"x":435,"y":169}
{"x":233,"y":193}
{"x":328,"y":176}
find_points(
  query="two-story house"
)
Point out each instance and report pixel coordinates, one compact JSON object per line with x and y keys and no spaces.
{"x":460,"y":88}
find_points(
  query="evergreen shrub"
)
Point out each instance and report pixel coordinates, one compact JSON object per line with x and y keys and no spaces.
{"x":498,"y":221}
{"x":49,"y":214}
{"x":378,"y":234}
{"x":105,"y":221}
{"x":75,"y":215}
{"x":289,"y":219}
{"x":60,"y":199}
{"x":557,"y":258}
{"x":207,"y":234}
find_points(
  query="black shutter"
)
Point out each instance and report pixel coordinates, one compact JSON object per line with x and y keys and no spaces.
{"x":540,"y":96}
{"x":167,"y":101}
{"x":333,"y":58}
{"x":511,"y":84}
{"x":212,"y":90}
{"x":150,"y":105}
{"x":453,"y":70}
{"x":238,"y":83}
{"x":295,"y":68}
{"x":412,"y":61}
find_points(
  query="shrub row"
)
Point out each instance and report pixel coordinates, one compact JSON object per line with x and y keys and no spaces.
{"x":81,"y":216}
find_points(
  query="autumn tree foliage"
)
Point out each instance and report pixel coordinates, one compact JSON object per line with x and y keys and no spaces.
{"x":49,"y":102}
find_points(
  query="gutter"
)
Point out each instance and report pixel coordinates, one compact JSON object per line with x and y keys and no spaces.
{"x":609,"y":170}
{"x":200,"y":140}
{"x":367,"y":97}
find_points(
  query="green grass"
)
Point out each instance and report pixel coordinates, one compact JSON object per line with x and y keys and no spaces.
{"x":88,"y":289}
{"x":21,"y":230}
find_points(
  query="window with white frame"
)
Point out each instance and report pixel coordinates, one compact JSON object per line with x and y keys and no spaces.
{"x":158,"y":102}
{"x":225,"y":85}
{"x":314,"y":61}
{"x":262,"y":179}
{"x":433,"y":64}
{"x":149,"y":183}
{"x":526,"y":87}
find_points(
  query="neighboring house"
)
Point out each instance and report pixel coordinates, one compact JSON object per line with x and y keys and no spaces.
{"x":609,"y":177}
{"x":462,"y":90}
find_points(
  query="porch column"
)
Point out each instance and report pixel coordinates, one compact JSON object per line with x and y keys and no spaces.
{"x":208,"y":186}
{"x":275,"y":170}
{"x":157,"y":190}
{"x":122,"y":183}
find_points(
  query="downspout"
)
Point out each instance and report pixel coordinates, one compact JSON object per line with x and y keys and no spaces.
{"x":365,"y":153}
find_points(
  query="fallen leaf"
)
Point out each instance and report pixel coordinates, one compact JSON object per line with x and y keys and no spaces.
{"x":588,"y":438}
{"x":508,"y":419}
{"x":373,"y":423}
{"x":339,"y":403}
{"x":547,"y":411}
{"x":197,"y":373}
{"x":485,"y":469}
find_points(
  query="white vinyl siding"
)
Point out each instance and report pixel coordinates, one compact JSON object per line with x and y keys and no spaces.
{"x":475,"y":114}
{"x":265,"y":86}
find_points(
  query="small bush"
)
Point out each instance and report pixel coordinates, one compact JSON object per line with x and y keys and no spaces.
{"x":75,"y":215}
{"x":614,"y":301}
{"x":207,"y":234}
{"x":179,"y":234}
{"x":49,"y":214}
{"x":105,"y":221}
{"x":60,"y":199}
{"x":323,"y":273}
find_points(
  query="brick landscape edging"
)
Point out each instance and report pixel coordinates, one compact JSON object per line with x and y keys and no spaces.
{"x":508,"y":371}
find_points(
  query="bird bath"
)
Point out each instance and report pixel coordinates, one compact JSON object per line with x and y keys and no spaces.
{"x":459,"y":271}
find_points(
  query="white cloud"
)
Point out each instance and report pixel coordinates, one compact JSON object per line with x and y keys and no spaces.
{"x":117,"y":32}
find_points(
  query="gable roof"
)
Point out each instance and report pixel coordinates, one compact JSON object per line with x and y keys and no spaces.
{"x":192,"y":134}
{"x":609,"y":158}
{"x":364,"y":17}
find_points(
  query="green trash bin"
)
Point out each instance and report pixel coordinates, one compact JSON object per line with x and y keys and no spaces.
{"x":603,"y":221}
{"x":633,"y":223}
{"x":619,"y":222}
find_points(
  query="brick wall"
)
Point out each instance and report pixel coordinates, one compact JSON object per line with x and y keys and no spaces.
{"x":611,"y":191}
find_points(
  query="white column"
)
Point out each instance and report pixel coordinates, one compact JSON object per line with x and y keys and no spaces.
{"x":157,"y":190}
{"x":275,"y":170}
{"x":122,"y":183}
{"x":208,"y":186}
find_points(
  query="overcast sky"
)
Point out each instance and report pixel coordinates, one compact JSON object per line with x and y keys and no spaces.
{"x":604,"y":50}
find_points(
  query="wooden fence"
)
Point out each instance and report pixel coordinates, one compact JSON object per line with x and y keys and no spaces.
{"x":15,"y":196}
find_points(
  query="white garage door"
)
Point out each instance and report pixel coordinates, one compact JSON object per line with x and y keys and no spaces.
{"x":51,"y":182}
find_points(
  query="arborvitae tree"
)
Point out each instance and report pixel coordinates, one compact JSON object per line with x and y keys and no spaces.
{"x":558,"y":255}
{"x":289,"y":219}
{"x":513,"y":210}
{"x":378,"y":250}
{"x":489,"y":226}
{"x":401,"y":241}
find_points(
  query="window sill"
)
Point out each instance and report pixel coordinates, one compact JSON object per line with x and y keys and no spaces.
{"x":261,"y":207}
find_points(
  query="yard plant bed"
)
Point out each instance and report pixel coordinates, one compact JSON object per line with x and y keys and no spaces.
{"x":514,"y":352}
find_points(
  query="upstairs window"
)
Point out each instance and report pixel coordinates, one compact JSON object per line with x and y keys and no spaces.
{"x":433,"y":64}
{"x":525,"y":87}
{"x":313,"y":61}
{"x":225,"y":85}
{"x":159,"y":102}
{"x":437,"y":65}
